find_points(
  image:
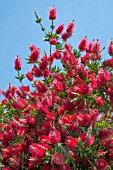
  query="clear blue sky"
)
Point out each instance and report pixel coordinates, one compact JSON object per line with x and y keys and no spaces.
{"x":93,"y":18}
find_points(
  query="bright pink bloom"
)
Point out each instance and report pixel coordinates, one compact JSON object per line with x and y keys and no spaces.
{"x":53,"y":41}
{"x":110,"y":48}
{"x":68,"y":47}
{"x":32,"y":47}
{"x":85,"y":58}
{"x":52,"y":13}
{"x":32,"y":121}
{"x":59,"y":29}
{"x":83,"y":44}
{"x":29,"y":76}
{"x":65,"y":36}
{"x":17,"y":63}
{"x":34,"y":55}
{"x":54,"y":136}
{"x":101,"y":164}
{"x":43,"y":63}
{"x":58,"y":158}
{"x":44,"y":139}
{"x":19,"y":103}
{"x":71,"y":142}
{"x":36,"y":71}
{"x":4,"y":101}
{"x":56,"y":54}
{"x":70,"y":27}
{"x":37,"y":151}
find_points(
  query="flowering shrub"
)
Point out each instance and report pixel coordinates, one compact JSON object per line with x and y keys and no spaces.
{"x":63,"y":121}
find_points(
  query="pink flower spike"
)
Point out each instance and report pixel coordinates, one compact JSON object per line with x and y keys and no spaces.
{"x":59,"y":29}
{"x":70,"y":27}
{"x":110,"y":48}
{"x":83,"y":44}
{"x":17,"y":63}
{"x":52,"y":13}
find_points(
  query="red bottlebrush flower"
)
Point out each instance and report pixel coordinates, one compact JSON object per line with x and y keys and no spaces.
{"x":36,"y":71}
{"x":43,"y":63}
{"x":17,"y":63}
{"x":52,"y":13}
{"x":90,"y":47}
{"x":36,"y":150}
{"x":44,"y":139}
{"x":53,"y":41}
{"x":29,"y":76}
{"x":4,"y":101}
{"x":60,"y":110}
{"x":19,"y":103}
{"x":110,"y":62}
{"x":65,"y":36}
{"x":54,"y":136}
{"x":71,"y":142}
{"x":97,"y":47}
{"x":68,"y":47}
{"x":84,"y":119}
{"x":32,"y":120}
{"x":70,"y":27}
{"x":47,"y":167}
{"x":110,"y":48}
{"x":85,"y":58}
{"x":99,"y":101}
{"x":65,"y":120}
{"x":83,"y":44}
{"x":101,"y":164}
{"x":58,"y":158}
{"x":34,"y":55}
{"x":32,"y":47}
{"x":56,"y":54}
{"x":59,"y":29}
{"x":64,"y":167}
{"x":41,"y":88}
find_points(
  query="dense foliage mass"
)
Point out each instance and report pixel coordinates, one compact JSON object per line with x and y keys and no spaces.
{"x":64,"y":120}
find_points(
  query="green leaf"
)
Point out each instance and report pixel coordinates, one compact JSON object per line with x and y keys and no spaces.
{"x":59,"y":46}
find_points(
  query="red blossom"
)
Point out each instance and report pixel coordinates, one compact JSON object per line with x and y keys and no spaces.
{"x":35,"y":53}
{"x":59,"y":29}
{"x":83,"y":44}
{"x":52,"y":13}
{"x":29,"y":76}
{"x":110,"y":48}
{"x":17,"y":63}
{"x":54,"y":136}
{"x":101,"y":164}
{"x":70,"y":27}
{"x":71,"y":142}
